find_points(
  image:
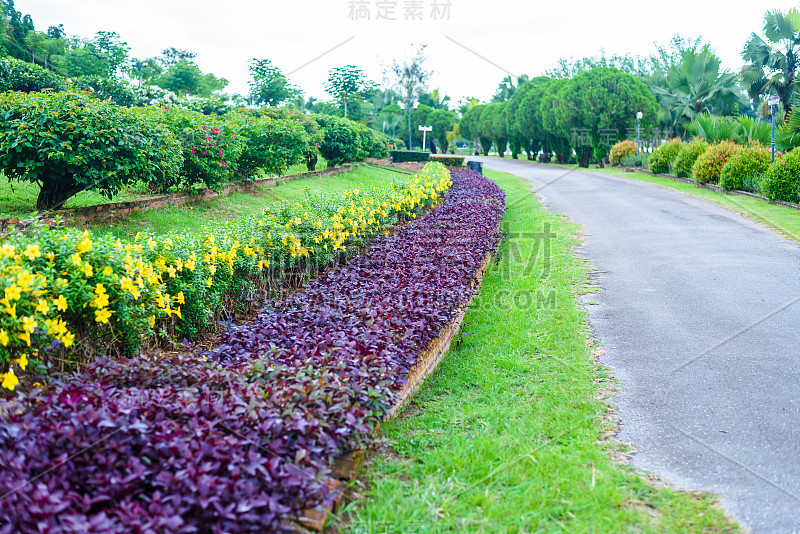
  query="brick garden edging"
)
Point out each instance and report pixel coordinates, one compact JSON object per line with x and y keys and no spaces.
{"x":103,"y":212}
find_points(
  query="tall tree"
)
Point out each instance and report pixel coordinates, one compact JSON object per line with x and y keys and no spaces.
{"x":185,"y":78}
{"x":410,"y":79}
{"x":599,"y":104}
{"x":269,"y":86}
{"x":435,"y":100}
{"x":171,"y":56}
{"x":442,"y":121}
{"x":347,"y":84}
{"x":508,"y":86}
{"x":698,"y":85}
{"x":772,"y":61}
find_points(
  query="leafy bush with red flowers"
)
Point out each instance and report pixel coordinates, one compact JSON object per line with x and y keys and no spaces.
{"x":236,"y":439}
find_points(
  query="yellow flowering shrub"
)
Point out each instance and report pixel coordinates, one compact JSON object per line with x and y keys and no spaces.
{"x":61,"y":285}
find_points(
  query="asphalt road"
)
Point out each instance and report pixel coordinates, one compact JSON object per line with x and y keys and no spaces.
{"x":699,"y":316}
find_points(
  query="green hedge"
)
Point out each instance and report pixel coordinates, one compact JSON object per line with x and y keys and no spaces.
{"x":402,"y":156}
{"x":18,"y":75}
{"x":782,"y":179}
{"x":450,"y":161}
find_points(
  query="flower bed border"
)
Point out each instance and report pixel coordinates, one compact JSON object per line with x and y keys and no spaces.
{"x":345,"y":468}
{"x":103,"y":212}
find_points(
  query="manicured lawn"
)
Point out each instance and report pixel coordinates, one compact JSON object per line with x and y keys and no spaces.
{"x":19,"y":199}
{"x":507,"y":435}
{"x":192,"y":217}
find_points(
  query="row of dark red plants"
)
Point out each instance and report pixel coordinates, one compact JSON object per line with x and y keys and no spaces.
{"x":239,"y":438}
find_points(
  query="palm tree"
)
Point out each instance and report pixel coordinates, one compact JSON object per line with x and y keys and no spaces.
{"x":772,"y":63}
{"x":696,"y":85}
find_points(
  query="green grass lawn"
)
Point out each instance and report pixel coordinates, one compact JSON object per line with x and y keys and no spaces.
{"x":191,"y":217}
{"x":508,"y":434}
{"x":19,"y":198}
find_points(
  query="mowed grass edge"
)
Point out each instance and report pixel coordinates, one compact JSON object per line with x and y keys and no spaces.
{"x":508,"y":434}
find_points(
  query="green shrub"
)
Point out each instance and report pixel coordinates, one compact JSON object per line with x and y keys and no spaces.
{"x":374,"y":144}
{"x":340,"y":142}
{"x":634,"y":160}
{"x":709,"y":164}
{"x":117,"y":91}
{"x":270,"y":146}
{"x":745,"y":169}
{"x":69,"y":142}
{"x":621,"y":150}
{"x":308,"y":123}
{"x":688,"y":154}
{"x":450,"y":161}
{"x":398,"y":144}
{"x":211,"y":148}
{"x":401,"y":156}
{"x":18,"y":75}
{"x":782,"y":179}
{"x":660,"y":161}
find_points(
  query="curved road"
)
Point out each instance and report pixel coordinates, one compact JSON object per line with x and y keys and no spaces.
{"x":699,"y":315}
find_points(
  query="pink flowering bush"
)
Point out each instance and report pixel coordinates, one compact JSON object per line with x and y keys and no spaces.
{"x":211,"y":146}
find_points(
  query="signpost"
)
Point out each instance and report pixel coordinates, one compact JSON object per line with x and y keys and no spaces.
{"x":425,"y":130}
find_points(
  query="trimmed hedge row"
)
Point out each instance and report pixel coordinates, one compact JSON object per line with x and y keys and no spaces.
{"x":237,"y":439}
{"x":732,"y":166}
{"x":449,"y":161}
{"x":62,"y":287}
{"x":403,"y":156}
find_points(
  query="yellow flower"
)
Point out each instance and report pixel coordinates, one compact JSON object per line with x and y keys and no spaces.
{"x":13,"y":292}
{"x":25,"y":279}
{"x":12,"y":310}
{"x":22,"y":361}
{"x":43,"y":307}
{"x":152,"y":321}
{"x":29,"y":324}
{"x":50,"y":257}
{"x":3,"y":338}
{"x":68,"y":339}
{"x":26,"y":337}
{"x":76,"y":259}
{"x":86,"y":244}
{"x":107,"y":271}
{"x":87,"y":270}
{"x":138,"y":236}
{"x":10,"y":380}
{"x":210,"y":282}
{"x":180,"y":299}
{"x":8,"y":250}
{"x":102,"y":316}
{"x":32,"y":252}
{"x":60,"y":303}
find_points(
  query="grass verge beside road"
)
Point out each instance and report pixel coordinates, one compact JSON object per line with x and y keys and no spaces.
{"x":507,"y":434}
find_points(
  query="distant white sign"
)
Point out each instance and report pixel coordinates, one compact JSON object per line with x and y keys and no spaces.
{"x":426,"y":128}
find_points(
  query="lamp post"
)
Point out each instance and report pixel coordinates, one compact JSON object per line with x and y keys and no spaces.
{"x":773,"y":101}
{"x":638,"y":133}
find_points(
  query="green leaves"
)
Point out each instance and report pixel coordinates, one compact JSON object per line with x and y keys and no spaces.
{"x":68,"y":141}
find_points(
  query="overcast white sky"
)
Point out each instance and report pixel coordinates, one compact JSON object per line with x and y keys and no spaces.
{"x":517,"y":37}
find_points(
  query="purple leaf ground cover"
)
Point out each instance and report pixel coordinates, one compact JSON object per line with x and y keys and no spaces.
{"x":236,"y":439}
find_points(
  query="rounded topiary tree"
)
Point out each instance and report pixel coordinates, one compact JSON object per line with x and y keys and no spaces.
{"x":70,"y":142}
{"x":621,"y":150}
{"x":662,"y":157}
{"x":746,"y":168}
{"x":269,"y":145}
{"x":709,"y":164}
{"x":782,"y":179}
{"x":684,"y":161}
{"x":341,"y":141}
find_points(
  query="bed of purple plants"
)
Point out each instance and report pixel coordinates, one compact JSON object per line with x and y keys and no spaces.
{"x":239,"y":438}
